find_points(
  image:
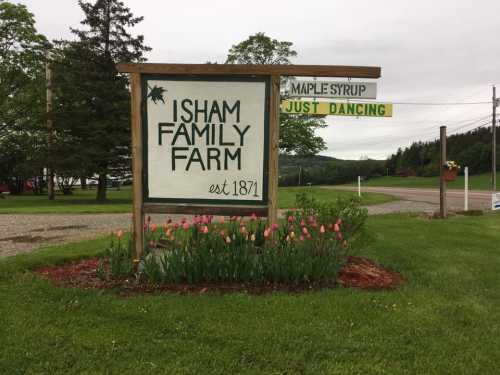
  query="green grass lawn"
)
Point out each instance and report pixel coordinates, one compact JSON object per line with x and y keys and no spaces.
{"x":83,"y":201}
{"x":476,"y":182}
{"x":446,"y":320}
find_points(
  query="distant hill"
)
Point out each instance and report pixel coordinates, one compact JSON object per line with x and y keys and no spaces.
{"x":325,"y":170}
{"x":472,"y":149}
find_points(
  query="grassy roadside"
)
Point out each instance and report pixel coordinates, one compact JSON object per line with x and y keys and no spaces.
{"x":476,"y":182}
{"x":445,"y":320}
{"x":83,"y":201}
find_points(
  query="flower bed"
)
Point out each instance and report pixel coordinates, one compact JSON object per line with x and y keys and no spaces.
{"x":309,"y":247}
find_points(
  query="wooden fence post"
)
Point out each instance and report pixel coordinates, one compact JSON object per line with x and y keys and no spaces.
{"x":274,"y":130}
{"x":137,"y":213}
{"x":443,"y":206}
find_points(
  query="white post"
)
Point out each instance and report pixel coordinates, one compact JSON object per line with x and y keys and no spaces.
{"x":466,"y":195}
{"x":359,"y":186}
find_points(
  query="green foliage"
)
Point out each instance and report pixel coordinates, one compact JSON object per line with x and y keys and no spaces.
{"x":22,"y":101}
{"x":471,"y":149}
{"x":297,"y":132}
{"x":93,"y":100}
{"x":261,"y":49}
{"x":348,"y":210}
{"x":248,"y":252}
{"x":324,"y":170}
{"x":301,"y":250}
{"x":119,"y":257}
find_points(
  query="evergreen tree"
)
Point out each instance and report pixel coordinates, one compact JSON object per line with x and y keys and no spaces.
{"x":93,"y":100}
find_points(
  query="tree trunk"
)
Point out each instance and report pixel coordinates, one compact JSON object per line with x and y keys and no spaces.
{"x":83,"y":182}
{"x":101,"y":188}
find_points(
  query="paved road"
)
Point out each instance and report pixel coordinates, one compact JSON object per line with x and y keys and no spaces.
{"x":429,"y":198}
{"x":24,"y":233}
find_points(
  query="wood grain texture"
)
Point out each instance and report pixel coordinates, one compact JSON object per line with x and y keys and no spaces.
{"x":274,"y":127}
{"x":192,"y":209}
{"x":137,"y":211}
{"x":244,"y":69}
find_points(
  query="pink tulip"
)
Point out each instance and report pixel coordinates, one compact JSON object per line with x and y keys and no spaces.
{"x":119,"y":233}
{"x":302,"y":223}
{"x":301,"y":238}
{"x":145,"y":226}
{"x":185,"y":226}
{"x":221,"y":220}
{"x":322,"y":229}
{"x":153,"y":227}
{"x":176,"y":225}
{"x":204,"y":229}
{"x":253,"y":217}
{"x":267,"y":231}
{"x":275,"y":227}
{"x":305,"y":231}
{"x":336,"y":228}
{"x":340,"y":237}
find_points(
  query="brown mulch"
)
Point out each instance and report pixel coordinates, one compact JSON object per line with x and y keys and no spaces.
{"x":358,"y":272}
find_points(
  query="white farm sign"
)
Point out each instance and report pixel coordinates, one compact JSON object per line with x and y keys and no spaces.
{"x":205,"y":139}
{"x":332,"y":89}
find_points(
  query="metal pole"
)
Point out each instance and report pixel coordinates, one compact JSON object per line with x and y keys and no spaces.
{"x":466,"y":192}
{"x":494,"y":142}
{"x":50,"y":131}
{"x":359,"y":186}
{"x":443,"y":208}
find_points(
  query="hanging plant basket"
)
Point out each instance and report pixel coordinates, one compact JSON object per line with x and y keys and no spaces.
{"x":450,"y":174}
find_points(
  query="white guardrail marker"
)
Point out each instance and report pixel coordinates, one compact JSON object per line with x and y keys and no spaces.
{"x":466,"y":193}
{"x":359,"y":186}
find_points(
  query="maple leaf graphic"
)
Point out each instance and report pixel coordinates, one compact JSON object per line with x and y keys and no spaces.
{"x":156,"y":94}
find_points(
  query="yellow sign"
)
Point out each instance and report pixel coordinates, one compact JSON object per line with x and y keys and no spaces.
{"x":336,"y":108}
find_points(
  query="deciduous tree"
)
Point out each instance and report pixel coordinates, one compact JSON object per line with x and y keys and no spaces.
{"x":297,"y":132}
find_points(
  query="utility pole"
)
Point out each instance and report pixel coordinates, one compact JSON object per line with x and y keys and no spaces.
{"x":494,"y":142}
{"x":50,"y":131}
{"x":443,"y":208}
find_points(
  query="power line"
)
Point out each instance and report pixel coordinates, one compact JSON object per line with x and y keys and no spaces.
{"x":386,"y":140}
{"x":431,"y":103}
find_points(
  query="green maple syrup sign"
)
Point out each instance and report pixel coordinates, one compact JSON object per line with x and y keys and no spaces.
{"x":205,"y":139}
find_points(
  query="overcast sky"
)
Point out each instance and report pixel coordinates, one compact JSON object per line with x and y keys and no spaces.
{"x":429,"y":51}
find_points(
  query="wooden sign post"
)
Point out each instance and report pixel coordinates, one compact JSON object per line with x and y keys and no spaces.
{"x":205,"y":137}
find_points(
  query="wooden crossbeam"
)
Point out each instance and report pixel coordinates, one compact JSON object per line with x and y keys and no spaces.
{"x":244,"y":69}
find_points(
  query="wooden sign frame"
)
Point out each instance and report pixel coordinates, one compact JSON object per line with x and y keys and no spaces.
{"x":273,"y":73}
